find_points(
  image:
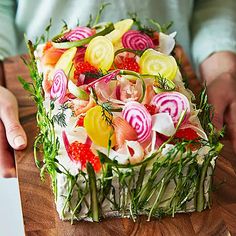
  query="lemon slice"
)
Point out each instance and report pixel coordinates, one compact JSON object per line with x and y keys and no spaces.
{"x":65,"y":61}
{"x":100,"y":53}
{"x":155,"y":63}
{"x":120,"y":28}
{"x":98,"y":127}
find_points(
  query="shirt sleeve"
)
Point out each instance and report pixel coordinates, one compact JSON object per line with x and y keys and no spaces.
{"x":7,"y":28}
{"x":213,"y":28}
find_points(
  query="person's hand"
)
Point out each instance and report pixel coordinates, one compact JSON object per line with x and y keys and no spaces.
{"x":219,"y":72}
{"x":12,"y":135}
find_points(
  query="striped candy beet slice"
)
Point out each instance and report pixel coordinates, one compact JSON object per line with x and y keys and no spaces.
{"x":139,"y":118}
{"x":78,"y":33}
{"x":173,"y":103}
{"x":137,"y":40}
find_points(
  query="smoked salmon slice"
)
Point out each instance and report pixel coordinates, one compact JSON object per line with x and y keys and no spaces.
{"x":52,"y":55}
{"x":123,"y":131}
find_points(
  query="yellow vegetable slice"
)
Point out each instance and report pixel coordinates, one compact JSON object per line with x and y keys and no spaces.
{"x":100,"y":53}
{"x":98,"y":128}
{"x":65,"y":61}
{"x":120,"y":28}
{"x":154,"y":63}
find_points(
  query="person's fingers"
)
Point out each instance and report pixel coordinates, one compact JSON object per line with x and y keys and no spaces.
{"x":230,"y":119}
{"x":7,"y":165}
{"x":14,"y":132}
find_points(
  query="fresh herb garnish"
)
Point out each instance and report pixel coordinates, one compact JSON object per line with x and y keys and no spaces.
{"x":60,"y":117}
{"x":94,"y":75}
{"x":206,"y":111}
{"x":143,"y":28}
{"x":164,"y":83}
{"x":161,"y":28}
{"x":45,"y":36}
{"x":106,"y":112}
{"x":100,"y":11}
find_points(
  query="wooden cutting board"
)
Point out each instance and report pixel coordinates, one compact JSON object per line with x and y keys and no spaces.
{"x":40,"y":216}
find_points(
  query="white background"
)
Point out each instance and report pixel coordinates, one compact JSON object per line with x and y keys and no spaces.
{"x":11,"y":221}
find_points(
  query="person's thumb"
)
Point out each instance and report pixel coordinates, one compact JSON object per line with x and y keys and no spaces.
{"x":14,"y":132}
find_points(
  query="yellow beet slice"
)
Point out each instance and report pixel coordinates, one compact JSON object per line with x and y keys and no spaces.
{"x":121,"y":27}
{"x":100,"y":53}
{"x":98,"y":129}
{"x":154,"y":63}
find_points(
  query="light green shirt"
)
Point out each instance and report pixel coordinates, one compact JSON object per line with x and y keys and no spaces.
{"x":203,"y":26}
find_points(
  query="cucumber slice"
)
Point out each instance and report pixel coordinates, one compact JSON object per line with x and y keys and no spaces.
{"x":105,"y":29}
{"x":76,"y":91}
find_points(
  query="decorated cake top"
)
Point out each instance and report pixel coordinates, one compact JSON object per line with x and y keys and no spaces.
{"x":115,"y":89}
{"x":118,"y":130}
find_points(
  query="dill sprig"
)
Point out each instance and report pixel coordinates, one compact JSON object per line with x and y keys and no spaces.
{"x":147,"y":29}
{"x":95,"y":75}
{"x":60,"y":117}
{"x":106,"y":112}
{"x":164,"y":83}
{"x":206,"y":111}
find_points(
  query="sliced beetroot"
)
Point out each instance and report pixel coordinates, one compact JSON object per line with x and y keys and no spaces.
{"x":139,"y":118}
{"x":173,"y":103}
{"x":59,"y":86}
{"x":137,"y":40}
{"x":78,"y":33}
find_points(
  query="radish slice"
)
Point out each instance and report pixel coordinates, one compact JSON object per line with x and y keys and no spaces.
{"x":159,"y":140}
{"x":121,"y":157}
{"x":199,"y":131}
{"x":131,"y":152}
{"x":78,"y":33}
{"x":163,"y":124}
{"x":65,"y":141}
{"x":59,"y":86}
{"x":135,"y":151}
{"x":137,"y":40}
{"x":167,"y":43}
{"x":173,"y":103}
{"x":153,"y":141}
{"x":139,"y":118}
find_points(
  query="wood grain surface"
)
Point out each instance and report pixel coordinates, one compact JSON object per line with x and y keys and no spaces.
{"x":40,"y":216}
